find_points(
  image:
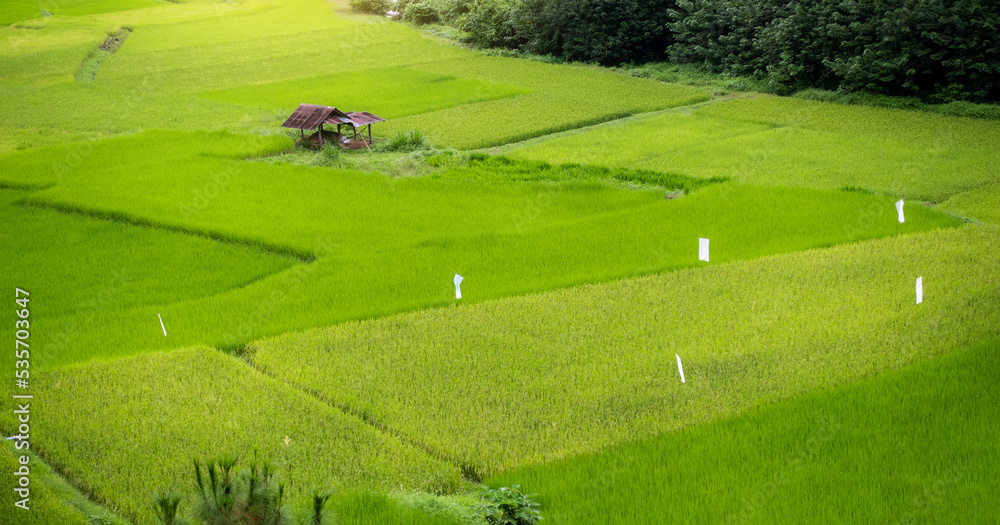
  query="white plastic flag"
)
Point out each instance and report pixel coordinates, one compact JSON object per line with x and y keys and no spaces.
{"x":161,"y":325}
{"x":920,"y":290}
{"x":458,"y":286}
{"x":703,"y":249}
{"x":899,"y":208}
{"x":680,"y":367}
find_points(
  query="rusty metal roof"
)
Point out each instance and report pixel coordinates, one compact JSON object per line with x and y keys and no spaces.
{"x":362,"y":118}
{"x":310,"y":116}
{"x":337,"y":119}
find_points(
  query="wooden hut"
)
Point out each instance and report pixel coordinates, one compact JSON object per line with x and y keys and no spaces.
{"x":312,"y":117}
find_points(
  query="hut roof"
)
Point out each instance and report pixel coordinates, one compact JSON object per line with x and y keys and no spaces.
{"x":310,"y":116}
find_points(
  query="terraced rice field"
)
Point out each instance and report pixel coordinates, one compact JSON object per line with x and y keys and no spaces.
{"x":309,"y":316}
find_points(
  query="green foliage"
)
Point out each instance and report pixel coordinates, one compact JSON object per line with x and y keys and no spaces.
{"x":926,"y":434}
{"x":508,"y":506}
{"x":227,"y":495}
{"x":165,"y":505}
{"x":375,"y":7}
{"x":403,"y":141}
{"x":953,"y":109}
{"x":941,"y":51}
{"x":489,"y":24}
{"x":608,"y":32}
{"x":203,"y":403}
{"x":489,"y":168}
{"x":526,"y":380}
{"x":421,"y":13}
{"x":793,"y":142}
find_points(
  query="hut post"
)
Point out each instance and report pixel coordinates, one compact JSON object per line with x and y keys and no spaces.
{"x":369,"y":133}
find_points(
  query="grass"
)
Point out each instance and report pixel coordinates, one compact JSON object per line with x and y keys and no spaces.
{"x":526,"y":380}
{"x":510,"y":227}
{"x":779,"y":141}
{"x":914,"y":445}
{"x":83,"y":269}
{"x":389,"y":93}
{"x":169,"y":167}
{"x":201,"y":403}
{"x":51,"y":501}
{"x":982,"y":203}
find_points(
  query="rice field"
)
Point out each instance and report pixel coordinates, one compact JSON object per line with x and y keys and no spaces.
{"x":527,"y":380}
{"x":920,"y":450}
{"x":792,"y":142}
{"x":201,"y":403}
{"x":309,"y":312}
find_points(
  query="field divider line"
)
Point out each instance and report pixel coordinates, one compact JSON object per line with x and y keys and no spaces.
{"x":78,"y":486}
{"x":467,"y":472}
{"x":111,"y":216}
{"x":631,"y":117}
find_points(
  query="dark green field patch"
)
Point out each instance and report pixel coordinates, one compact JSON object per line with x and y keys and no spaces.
{"x":918,"y":445}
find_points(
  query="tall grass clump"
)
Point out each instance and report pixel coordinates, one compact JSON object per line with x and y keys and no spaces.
{"x":403,"y":141}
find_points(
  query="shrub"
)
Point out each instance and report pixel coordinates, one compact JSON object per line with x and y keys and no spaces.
{"x":328,"y":155}
{"x":421,"y":13}
{"x":410,"y":140}
{"x":508,"y":506}
{"x":489,"y":24}
{"x":375,"y":7}
{"x":166,"y":504}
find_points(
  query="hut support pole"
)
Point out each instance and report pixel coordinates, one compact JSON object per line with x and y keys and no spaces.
{"x":369,"y":132}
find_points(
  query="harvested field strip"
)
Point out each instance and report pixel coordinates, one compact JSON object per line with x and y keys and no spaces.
{"x":526,"y":380}
{"x":919,"y":444}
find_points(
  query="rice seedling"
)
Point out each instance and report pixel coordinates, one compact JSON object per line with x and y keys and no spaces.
{"x":913,"y":445}
{"x":517,"y":227}
{"x":982,"y":203}
{"x":526,"y":380}
{"x":791,"y":142}
{"x":390,"y":92}
{"x":128,"y":429}
{"x":50,"y":500}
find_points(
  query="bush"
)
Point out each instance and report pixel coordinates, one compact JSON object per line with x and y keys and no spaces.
{"x":227,"y":495}
{"x":421,"y":13}
{"x":375,"y":7}
{"x":941,"y":51}
{"x":508,"y":506}
{"x":489,"y":24}
{"x":609,"y":32}
{"x":411,"y":140}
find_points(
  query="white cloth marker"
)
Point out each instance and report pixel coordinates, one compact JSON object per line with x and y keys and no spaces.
{"x":458,"y":286}
{"x":702,"y":249}
{"x":161,"y":325}
{"x":680,"y":367}
{"x":920,"y":290}
{"x":899,"y":208}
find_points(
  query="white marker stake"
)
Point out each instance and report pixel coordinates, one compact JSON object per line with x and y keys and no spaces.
{"x":899,"y":208}
{"x":458,"y":286}
{"x":702,"y":249}
{"x":920,"y":290}
{"x":161,"y":326}
{"x":680,"y":367}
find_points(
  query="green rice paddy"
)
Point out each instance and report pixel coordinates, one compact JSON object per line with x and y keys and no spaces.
{"x":309,"y":313}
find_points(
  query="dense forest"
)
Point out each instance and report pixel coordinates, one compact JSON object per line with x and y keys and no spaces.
{"x":938,"y":50}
